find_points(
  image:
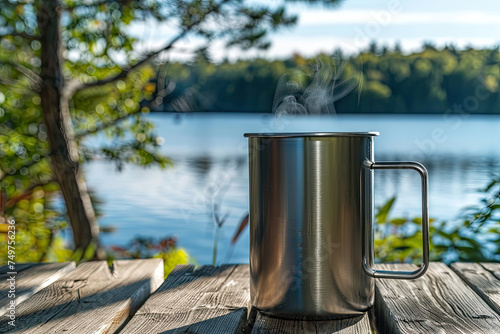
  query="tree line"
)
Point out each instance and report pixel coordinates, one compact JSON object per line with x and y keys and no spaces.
{"x":431,"y":81}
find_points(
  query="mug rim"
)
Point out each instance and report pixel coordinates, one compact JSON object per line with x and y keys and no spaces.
{"x":310,"y":134}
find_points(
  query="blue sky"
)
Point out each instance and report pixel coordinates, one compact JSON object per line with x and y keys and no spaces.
{"x":353,"y":24}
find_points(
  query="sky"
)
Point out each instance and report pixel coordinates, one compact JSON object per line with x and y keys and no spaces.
{"x":355,"y":23}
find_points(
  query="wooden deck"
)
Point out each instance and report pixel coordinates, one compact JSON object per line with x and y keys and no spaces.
{"x":131,"y":297}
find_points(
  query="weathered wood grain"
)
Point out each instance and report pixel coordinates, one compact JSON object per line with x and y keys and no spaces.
{"x":494,"y":268}
{"x":438,"y":302}
{"x":482,"y":280}
{"x":206,"y":300}
{"x":90,"y":299}
{"x":29,"y":279}
{"x":269,"y":325}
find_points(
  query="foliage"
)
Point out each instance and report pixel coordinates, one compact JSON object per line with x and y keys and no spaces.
{"x":143,"y":248}
{"x":429,"y":81}
{"x":474,"y":237}
{"x":172,"y":258}
{"x":107,"y":84}
{"x":489,"y":211}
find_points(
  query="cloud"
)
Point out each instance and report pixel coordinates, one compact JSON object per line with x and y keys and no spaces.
{"x":311,"y":46}
{"x":341,"y":17}
{"x":285,"y":46}
{"x":325,"y":31}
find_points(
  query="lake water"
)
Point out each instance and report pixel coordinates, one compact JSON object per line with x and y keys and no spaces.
{"x":461,"y":153}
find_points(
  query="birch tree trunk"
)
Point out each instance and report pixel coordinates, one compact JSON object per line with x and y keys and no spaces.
{"x":55,"y":108}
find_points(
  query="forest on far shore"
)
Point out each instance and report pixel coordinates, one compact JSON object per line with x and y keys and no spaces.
{"x":433,"y":81}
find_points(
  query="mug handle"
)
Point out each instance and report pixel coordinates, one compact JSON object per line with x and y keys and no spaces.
{"x":425,"y":224}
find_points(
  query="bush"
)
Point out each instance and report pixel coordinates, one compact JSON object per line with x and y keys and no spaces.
{"x":474,"y":237}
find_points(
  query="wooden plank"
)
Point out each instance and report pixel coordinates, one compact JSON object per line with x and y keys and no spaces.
{"x":438,"y":302}
{"x":269,"y":325}
{"x":482,"y":279}
{"x":206,"y":300}
{"x":90,"y":299}
{"x":29,"y":279}
{"x":494,"y":268}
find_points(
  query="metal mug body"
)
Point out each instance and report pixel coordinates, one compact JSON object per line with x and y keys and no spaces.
{"x":310,"y":204}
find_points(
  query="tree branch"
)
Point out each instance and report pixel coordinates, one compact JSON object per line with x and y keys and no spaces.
{"x":35,"y":78}
{"x":26,"y":193}
{"x":29,"y":74}
{"x":72,"y":89}
{"x":7,"y":82}
{"x":105,"y":125}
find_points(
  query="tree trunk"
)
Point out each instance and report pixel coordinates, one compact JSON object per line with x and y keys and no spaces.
{"x":55,"y":107}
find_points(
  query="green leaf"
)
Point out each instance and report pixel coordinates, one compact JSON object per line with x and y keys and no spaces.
{"x":384,"y":211}
{"x":398,"y":221}
{"x":492,"y":184}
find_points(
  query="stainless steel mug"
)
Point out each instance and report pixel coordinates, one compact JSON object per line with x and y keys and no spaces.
{"x":311,"y":225}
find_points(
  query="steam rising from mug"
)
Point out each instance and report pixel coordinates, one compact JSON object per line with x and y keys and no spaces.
{"x":299,"y":92}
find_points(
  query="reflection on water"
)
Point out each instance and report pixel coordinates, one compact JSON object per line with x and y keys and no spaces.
{"x":210,"y":164}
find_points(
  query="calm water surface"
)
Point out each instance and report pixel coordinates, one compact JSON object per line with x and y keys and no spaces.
{"x":209,"y":152}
